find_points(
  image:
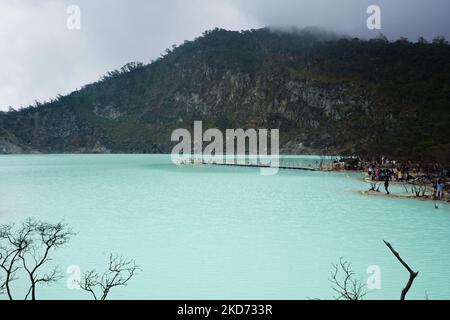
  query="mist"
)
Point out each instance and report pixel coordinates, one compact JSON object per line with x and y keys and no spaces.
{"x":42,"y":58}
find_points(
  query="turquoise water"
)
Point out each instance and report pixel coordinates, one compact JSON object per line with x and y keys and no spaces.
{"x":202,"y":232}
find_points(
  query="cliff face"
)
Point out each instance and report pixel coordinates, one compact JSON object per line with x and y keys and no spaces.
{"x":326,"y":95}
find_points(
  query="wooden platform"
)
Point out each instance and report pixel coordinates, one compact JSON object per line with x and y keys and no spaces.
{"x":249,"y":165}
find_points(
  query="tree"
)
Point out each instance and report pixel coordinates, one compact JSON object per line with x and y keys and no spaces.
{"x":347,"y":287}
{"x":412,"y":274}
{"x":120,"y":271}
{"x":403,"y":40}
{"x":12,"y":244}
{"x":440,"y":40}
{"x":381,"y":38}
{"x":422,"y":40}
{"x":28,"y":248}
{"x":2,"y":286}
{"x":49,"y":237}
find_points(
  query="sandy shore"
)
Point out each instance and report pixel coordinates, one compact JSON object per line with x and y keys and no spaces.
{"x":427,"y":197}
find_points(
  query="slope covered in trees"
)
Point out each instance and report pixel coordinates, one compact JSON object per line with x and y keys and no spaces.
{"x":327,"y":94}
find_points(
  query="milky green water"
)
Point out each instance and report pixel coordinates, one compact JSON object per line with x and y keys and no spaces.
{"x":202,"y":232}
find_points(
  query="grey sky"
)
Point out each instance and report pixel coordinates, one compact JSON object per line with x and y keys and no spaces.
{"x":41,"y":58}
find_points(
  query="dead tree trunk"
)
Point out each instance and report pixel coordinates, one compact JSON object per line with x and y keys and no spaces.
{"x":412,"y":274}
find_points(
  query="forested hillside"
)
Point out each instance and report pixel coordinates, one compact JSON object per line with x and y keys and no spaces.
{"x":327,"y":94}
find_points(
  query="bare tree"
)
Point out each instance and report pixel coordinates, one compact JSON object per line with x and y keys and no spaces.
{"x":120,"y":271}
{"x":346,"y":286}
{"x":2,"y":286}
{"x":13,"y":242}
{"x":412,"y":274}
{"x":47,"y":237}
{"x":419,"y":187}
{"x":28,"y":248}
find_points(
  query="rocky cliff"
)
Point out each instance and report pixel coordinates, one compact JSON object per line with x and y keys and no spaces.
{"x":326,"y":95}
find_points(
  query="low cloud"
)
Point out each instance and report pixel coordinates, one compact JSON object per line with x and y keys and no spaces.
{"x":41,"y":58}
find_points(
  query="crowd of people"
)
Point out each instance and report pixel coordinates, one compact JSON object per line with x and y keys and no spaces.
{"x":386,"y":171}
{"x":378,"y":173}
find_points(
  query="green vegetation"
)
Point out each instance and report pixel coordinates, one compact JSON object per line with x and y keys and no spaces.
{"x":327,"y":94}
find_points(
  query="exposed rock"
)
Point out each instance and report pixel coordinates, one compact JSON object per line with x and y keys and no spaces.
{"x":7,"y":147}
{"x":324,"y":96}
{"x":108,"y":112}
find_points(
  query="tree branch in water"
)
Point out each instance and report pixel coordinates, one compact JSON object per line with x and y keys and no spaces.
{"x":412,"y":274}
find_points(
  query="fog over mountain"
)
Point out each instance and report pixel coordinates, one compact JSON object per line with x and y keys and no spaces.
{"x":41,"y":58}
{"x":326,"y":94}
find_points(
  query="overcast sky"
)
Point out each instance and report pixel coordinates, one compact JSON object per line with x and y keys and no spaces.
{"x":40,"y":57}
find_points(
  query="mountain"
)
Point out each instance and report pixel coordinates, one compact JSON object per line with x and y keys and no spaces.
{"x":326,"y":94}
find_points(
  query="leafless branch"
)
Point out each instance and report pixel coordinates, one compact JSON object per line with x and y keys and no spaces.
{"x":90,"y":282}
{"x":12,"y":244}
{"x":47,"y":238}
{"x":27,"y":248}
{"x":2,"y":286}
{"x":346,"y":286}
{"x":120,"y":271}
{"x":412,"y":274}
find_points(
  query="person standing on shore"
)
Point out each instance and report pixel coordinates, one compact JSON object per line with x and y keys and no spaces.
{"x":377,"y":173}
{"x":399,"y":175}
{"x":435,"y":190}
{"x":383,"y":174}
{"x":389,"y":173}
{"x":386,"y":184}
{"x":440,"y":189}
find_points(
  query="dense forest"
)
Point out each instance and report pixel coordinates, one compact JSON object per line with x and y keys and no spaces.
{"x":326,"y":94}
